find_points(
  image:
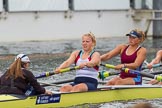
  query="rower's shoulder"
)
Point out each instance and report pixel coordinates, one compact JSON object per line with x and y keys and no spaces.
{"x":122,"y":45}
{"x":96,"y":54}
{"x":160,"y":52}
{"x":143,"y":49}
{"x":76,"y":52}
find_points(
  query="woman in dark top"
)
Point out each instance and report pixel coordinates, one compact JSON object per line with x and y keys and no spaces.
{"x":17,"y":79}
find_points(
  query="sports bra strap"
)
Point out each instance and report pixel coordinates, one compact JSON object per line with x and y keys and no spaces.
{"x":91,"y":54}
{"x":78,"y":56}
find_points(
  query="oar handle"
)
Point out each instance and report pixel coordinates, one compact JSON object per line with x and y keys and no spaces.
{"x":108,"y":66}
{"x":69,"y":69}
{"x":46,"y":74}
{"x":153,"y":66}
{"x":156,"y":77}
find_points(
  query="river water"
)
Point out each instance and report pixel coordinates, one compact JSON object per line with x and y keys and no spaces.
{"x":47,"y":55}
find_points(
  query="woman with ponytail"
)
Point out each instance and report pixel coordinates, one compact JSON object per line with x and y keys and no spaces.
{"x":18,"y":79}
{"x":132,"y":56}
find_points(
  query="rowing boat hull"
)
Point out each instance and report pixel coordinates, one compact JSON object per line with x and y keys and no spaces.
{"x":71,"y":99}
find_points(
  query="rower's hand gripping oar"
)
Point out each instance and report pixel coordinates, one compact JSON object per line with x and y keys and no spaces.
{"x":102,"y":74}
{"x":46,"y":74}
{"x":127,"y":70}
{"x":153,"y":66}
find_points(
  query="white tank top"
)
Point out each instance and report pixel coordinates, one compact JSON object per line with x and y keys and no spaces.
{"x":86,"y":72}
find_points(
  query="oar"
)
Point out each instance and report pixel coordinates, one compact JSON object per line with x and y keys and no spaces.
{"x":57,"y":82}
{"x":46,"y":74}
{"x":112,"y":66}
{"x":153,"y":66}
{"x":151,"y":70}
{"x":156,"y":72}
{"x":43,"y":84}
{"x":108,"y":66}
{"x":103,"y":74}
{"x":127,"y":70}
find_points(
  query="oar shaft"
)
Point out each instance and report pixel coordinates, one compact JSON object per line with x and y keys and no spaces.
{"x":156,"y":77}
{"x":46,"y":74}
{"x":156,"y":72}
{"x":127,"y":70}
{"x":69,"y":69}
{"x":57,"y":82}
{"x":153,"y":66}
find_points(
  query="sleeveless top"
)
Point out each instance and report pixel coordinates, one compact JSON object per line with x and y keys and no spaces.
{"x":86,"y":71}
{"x":129,"y":59}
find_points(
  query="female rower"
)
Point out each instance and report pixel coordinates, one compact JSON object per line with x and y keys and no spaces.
{"x":156,"y":60}
{"x":18,"y":80}
{"x":132,"y":56}
{"x":88,"y":61}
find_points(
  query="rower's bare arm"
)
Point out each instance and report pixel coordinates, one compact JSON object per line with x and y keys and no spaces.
{"x":112,"y":53}
{"x":94,"y":61}
{"x":68,"y":62}
{"x":158,"y":58}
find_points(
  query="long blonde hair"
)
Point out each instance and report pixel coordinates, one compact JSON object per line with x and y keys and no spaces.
{"x":15,"y":69}
{"x":142,"y":33}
